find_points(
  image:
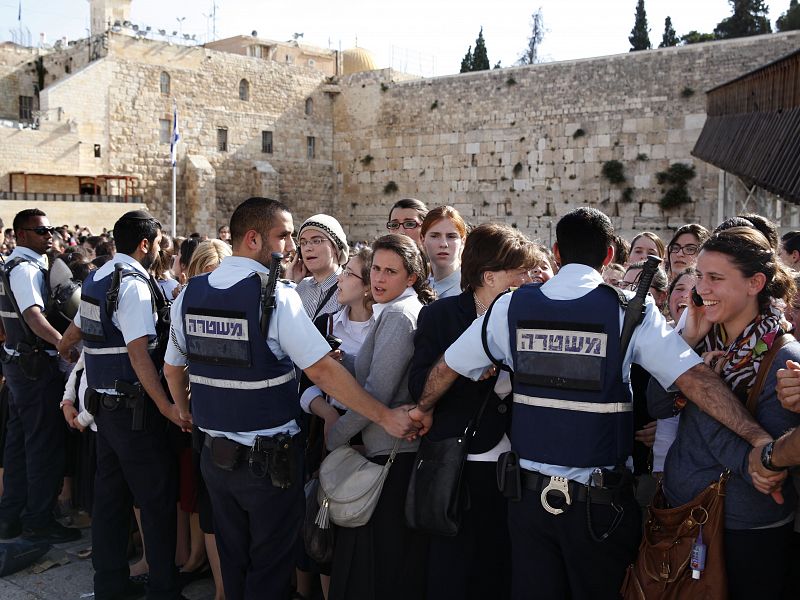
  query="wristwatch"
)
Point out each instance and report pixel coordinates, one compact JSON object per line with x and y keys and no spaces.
{"x":766,"y":458}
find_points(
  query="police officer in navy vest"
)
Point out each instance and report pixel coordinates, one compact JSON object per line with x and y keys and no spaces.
{"x":244,"y":398}
{"x":575,"y":525}
{"x":119,"y":326}
{"x":34,"y":451}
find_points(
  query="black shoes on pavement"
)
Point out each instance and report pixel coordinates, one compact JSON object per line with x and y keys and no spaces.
{"x":55,"y":533}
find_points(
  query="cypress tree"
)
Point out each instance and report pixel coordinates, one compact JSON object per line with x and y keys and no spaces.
{"x":790,"y":20}
{"x":639,"y":38}
{"x":480,"y":58}
{"x":669,"y":38}
{"x":466,"y":62}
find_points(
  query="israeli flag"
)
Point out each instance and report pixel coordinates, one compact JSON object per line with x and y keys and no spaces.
{"x":173,"y":145}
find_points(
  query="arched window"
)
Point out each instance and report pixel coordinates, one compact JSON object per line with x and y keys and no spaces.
{"x":309,"y":106}
{"x":244,"y":90}
{"x":165,"y":82}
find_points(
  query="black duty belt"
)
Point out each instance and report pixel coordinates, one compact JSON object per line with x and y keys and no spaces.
{"x":578,"y":492}
{"x":112,"y":402}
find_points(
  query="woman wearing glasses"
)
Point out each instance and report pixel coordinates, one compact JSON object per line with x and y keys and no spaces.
{"x":443,"y":233}
{"x":406,"y":218}
{"x":683,"y":248}
{"x":322,"y":248}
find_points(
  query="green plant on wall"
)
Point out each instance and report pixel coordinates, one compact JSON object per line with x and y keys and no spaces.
{"x":676,"y":180}
{"x":578,"y":133}
{"x":614,"y":171}
{"x":627,"y":194}
{"x":390,"y":188}
{"x":366,"y":160}
{"x":517,"y":169}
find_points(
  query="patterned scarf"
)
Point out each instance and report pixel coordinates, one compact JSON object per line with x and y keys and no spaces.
{"x":743,"y":355}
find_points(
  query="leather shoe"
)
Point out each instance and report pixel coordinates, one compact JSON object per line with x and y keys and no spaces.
{"x":9,"y":529}
{"x":55,"y":533}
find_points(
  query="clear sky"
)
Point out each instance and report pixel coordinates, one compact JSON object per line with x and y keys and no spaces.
{"x":418,"y":36}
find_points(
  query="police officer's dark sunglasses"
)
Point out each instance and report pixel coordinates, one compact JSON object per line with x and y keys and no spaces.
{"x":41,"y":230}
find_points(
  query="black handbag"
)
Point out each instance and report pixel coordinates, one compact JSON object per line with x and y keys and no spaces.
{"x":318,"y":541}
{"x":437,"y":496}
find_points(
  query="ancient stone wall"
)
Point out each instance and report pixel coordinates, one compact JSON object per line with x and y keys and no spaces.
{"x":525,"y":145}
{"x":277,"y":103}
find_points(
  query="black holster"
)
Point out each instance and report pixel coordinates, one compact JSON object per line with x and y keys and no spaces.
{"x":509,"y":476}
{"x":134,"y":397}
{"x":92,"y":401}
{"x":32,"y":360}
{"x":274,"y":455}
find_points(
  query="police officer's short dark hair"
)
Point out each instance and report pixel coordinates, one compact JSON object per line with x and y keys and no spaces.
{"x":584,"y":236}
{"x":132,"y":228}
{"x":254,"y":213}
{"x":22,"y":217}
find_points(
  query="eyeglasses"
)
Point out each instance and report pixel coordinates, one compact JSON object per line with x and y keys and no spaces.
{"x":348,"y":273}
{"x":41,"y":230}
{"x":315,"y":241}
{"x":628,"y":285}
{"x":392,"y":225}
{"x":688,"y":249}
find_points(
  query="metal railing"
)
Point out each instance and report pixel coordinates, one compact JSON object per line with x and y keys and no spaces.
{"x":49,"y":197}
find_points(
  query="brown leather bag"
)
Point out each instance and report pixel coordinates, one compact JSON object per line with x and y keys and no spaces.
{"x":662,"y":568}
{"x":662,"y":571}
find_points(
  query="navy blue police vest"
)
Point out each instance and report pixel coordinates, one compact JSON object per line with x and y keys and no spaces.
{"x":571,"y":406}
{"x":237,"y":383}
{"x":15,"y":333}
{"x":104,"y":348}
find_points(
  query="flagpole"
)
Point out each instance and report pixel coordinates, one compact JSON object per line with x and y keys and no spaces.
{"x":173,"y":153}
{"x":174,"y":188}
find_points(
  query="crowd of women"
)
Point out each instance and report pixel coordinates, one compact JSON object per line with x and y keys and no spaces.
{"x":394,"y":307}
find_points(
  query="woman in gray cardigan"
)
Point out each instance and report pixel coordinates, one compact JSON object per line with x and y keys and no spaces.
{"x":384,"y":559}
{"x":738,"y":278}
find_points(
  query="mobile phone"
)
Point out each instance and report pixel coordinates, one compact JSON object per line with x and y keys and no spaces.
{"x":698,"y":301}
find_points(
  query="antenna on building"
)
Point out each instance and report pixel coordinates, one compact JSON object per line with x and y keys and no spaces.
{"x":296,"y":35}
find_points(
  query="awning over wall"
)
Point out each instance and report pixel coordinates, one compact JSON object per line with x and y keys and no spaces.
{"x":753,"y":128}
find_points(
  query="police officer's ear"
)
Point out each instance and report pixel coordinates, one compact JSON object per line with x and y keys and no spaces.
{"x":252,"y":240}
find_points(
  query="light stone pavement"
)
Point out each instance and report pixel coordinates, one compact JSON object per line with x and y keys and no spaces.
{"x":72,"y":581}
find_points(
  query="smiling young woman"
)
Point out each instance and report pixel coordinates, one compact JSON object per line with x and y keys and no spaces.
{"x":739,"y":278}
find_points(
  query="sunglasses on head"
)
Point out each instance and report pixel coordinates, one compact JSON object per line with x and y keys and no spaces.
{"x":41,"y":230}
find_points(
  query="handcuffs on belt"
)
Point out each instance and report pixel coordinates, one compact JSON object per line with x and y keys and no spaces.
{"x":556,"y":484}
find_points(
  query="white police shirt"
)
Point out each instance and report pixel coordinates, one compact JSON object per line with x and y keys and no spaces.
{"x":134,"y":316}
{"x":654,"y":346}
{"x":27,"y":285}
{"x":291,"y":333}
